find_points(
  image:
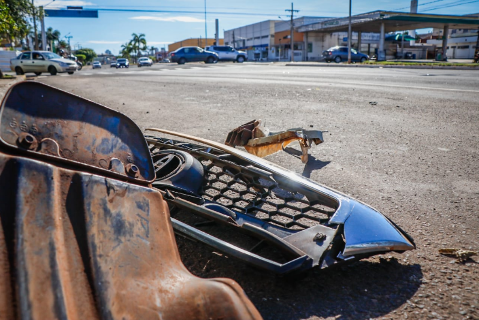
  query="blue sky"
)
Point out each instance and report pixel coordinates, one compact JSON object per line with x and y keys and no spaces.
{"x":112,"y":29}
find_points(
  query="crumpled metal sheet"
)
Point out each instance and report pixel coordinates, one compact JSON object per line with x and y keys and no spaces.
{"x":75,"y":244}
{"x":54,"y":124}
{"x":258,"y":140}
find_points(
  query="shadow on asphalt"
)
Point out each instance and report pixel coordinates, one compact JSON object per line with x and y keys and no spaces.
{"x":362,"y":290}
{"x":313,"y":164}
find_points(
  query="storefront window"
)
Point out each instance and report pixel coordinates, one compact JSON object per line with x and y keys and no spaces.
{"x":310,"y":47}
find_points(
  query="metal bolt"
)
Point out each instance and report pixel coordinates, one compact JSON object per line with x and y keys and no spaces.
{"x":27,"y":140}
{"x":132,"y":170}
{"x":319,"y":237}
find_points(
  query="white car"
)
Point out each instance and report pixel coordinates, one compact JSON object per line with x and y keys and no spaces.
{"x":228,"y":53}
{"x":96,"y":64}
{"x":42,"y":61}
{"x":145,"y":62}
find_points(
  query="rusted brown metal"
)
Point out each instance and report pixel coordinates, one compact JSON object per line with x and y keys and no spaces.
{"x":54,"y":124}
{"x":258,"y":140}
{"x":78,"y":245}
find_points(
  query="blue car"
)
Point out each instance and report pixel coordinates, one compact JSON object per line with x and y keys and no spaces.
{"x":193,"y":54}
{"x":338,"y":54}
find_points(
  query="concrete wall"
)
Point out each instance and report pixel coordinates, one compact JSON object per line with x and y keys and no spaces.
{"x":5,"y":57}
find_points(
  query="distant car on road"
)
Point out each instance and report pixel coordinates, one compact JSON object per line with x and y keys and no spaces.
{"x":41,"y":61}
{"x":113,"y":64}
{"x":338,"y":54}
{"x":96,"y":64}
{"x":228,"y":53}
{"x":164,"y":61}
{"x":145,"y":62}
{"x":122,"y":63}
{"x":192,"y":54}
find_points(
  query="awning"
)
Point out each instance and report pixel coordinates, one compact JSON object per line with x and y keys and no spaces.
{"x":393,"y":21}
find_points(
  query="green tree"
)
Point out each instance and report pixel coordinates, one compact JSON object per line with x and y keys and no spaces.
{"x":14,"y":19}
{"x":52,"y":36}
{"x":126,"y":50}
{"x":81,"y":57}
{"x":138,"y":43}
{"x":88,"y":53}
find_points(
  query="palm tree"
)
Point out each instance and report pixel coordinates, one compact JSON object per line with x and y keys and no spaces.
{"x":52,"y":36}
{"x":152,"y":49}
{"x":138,"y":43}
{"x":126,"y":50}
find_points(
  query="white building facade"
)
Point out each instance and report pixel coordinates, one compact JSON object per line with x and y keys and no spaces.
{"x":256,"y":39}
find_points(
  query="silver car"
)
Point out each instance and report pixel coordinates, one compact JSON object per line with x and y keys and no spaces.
{"x":41,"y":61}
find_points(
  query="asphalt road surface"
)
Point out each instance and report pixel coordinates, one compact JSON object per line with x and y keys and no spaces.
{"x":404,"y":141}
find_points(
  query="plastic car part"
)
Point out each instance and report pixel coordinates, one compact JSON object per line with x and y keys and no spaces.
{"x":311,"y":224}
{"x":76,"y":242}
{"x":258,"y":140}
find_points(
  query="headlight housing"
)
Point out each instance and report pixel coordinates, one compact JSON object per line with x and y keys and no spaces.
{"x":63,"y":64}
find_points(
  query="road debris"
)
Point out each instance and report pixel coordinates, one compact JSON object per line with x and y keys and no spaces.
{"x":306,"y":223}
{"x":460,"y":254}
{"x":83,"y":235}
{"x":261,"y":142}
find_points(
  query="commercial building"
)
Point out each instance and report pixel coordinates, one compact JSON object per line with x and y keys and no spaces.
{"x":387,"y":21}
{"x":271,"y":39}
{"x":193,"y":42}
{"x":256,"y":39}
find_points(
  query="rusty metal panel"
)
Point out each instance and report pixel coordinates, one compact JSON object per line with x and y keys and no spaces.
{"x":79,"y":246}
{"x":48,"y":122}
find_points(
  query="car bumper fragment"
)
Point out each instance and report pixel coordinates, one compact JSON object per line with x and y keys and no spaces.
{"x":312,"y":225}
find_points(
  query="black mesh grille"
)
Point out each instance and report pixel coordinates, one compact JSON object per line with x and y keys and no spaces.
{"x":261,"y":198}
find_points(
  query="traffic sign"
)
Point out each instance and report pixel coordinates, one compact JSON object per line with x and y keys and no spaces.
{"x":55,"y":13}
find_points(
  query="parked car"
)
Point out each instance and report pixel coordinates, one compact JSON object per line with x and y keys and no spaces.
{"x":164,"y":61}
{"x":41,"y":61}
{"x":113,"y":64}
{"x":145,"y":62}
{"x":338,"y":54}
{"x":228,"y":53}
{"x":122,"y":63}
{"x":191,"y":54}
{"x":96,"y":64}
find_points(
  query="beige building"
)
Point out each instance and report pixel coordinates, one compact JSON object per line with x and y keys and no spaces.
{"x":192,"y":42}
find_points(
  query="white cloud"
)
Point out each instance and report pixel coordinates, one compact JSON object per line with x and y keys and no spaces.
{"x":62,"y":3}
{"x":168,"y":19}
{"x":104,"y":42}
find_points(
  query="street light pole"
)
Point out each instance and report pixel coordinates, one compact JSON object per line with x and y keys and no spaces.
{"x":42,"y":21}
{"x":349,"y":34}
{"x":35,"y":26}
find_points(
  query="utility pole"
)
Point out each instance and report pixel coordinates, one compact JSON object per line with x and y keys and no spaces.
{"x":350,"y":35}
{"x":292,"y":32}
{"x":35,"y":26}
{"x":42,"y":23}
{"x":234,"y":40}
{"x":69,"y":37}
{"x":217,"y":37}
{"x":206,"y":33}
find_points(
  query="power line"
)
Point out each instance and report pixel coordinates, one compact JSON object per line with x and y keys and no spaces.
{"x":449,"y":5}
{"x":422,"y":4}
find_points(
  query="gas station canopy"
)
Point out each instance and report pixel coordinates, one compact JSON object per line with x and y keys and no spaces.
{"x":393,"y":21}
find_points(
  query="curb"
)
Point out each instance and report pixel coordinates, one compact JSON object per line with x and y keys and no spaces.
{"x":381,"y":66}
